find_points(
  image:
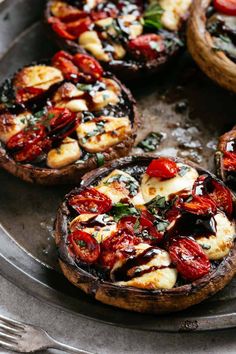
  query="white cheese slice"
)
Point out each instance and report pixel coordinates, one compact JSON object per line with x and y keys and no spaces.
{"x":39,"y":76}
{"x":67,"y":153}
{"x":163,"y":278}
{"x":90,"y":41}
{"x":114,"y":188}
{"x":101,"y":133}
{"x":175,"y":11}
{"x":218,"y":246}
{"x":100,"y":233}
{"x":102,"y":98}
{"x":152,"y":186}
{"x":66,"y":91}
{"x":11,"y":124}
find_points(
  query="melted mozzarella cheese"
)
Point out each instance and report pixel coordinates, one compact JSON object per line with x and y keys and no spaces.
{"x":66,"y":91}
{"x":100,"y":233}
{"x":162,"y":278}
{"x":112,"y":85}
{"x":11,"y":124}
{"x":90,"y":41}
{"x":218,"y":246}
{"x":102,"y":98}
{"x":39,"y":76}
{"x":96,"y":138}
{"x":67,"y":153}
{"x":114,"y":188}
{"x":174,"y":12}
{"x":152,"y":186}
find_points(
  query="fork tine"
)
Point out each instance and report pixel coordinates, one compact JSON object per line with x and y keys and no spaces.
{"x":12,"y":323}
{"x":10,"y":331}
{"x":10,"y":339}
{"x":8,"y":346}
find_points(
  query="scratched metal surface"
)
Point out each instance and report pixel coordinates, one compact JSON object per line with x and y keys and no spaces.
{"x":181,"y":103}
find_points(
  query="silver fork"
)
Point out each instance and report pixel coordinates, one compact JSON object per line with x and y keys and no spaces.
{"x":24,"y":338}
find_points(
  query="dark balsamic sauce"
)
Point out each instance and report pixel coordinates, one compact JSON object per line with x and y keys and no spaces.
{"x":125,"y":272}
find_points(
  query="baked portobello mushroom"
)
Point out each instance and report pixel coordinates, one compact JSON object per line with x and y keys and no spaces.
{"x":211,"y":39}
{"x":129,"y":37}
{"x":63,"y":118}
{"x":226,"y":158}
{"x":148,"y":234}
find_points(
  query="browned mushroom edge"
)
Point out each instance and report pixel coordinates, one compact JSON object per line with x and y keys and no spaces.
{"x":228,"y":177}
{"x":214,"y":64}
{"x":130,"y":298}
{"x":127,"y":71}
{"x":72,"y":173}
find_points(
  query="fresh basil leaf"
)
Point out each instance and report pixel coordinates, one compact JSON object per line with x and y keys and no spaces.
{"x":151,"y":141}
{"x":183,"y":170}
{"x":100,"y":159}
{"x":120,"y":210}
{"x":152,"y":15}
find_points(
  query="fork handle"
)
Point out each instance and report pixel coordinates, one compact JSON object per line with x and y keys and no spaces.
{"x":68,"y":348}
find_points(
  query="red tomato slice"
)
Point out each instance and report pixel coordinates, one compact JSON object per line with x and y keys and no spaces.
{"x":227,"y":7}
{"x":88,"y":65}
{"x":189,"y":258}
{"x":78,"y":27}
{"x":116,"y":247}
{"x":146,"y":219}
{"x":200,"y":205}
{"x":148,"y":46}
{"x":162,"y":168}
{"x":60,"y":28}
{"x":90,"y":201}
{"x":28,"y":93}
{"x":63,"y":62}
{"x":84,"y":246}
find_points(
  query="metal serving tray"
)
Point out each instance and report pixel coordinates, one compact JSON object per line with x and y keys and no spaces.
{"x":181,"y":103}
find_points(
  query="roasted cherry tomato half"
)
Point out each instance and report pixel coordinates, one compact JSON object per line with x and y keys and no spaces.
{"x":162,"y":168}
{"x":62,"y":122}
{"x":78,"y":27}
{"x":63,"y":62}
{"x":227,"y":7}
{"x":60,"y":28}
{"x":229,"y":161}
{"x":26,"y":137}
{"x":31,"y":151}
{"x":88,"y":65}
{"x":84,"y":246}
{"x":128,"y":223}
{"x":28,"y":93}
{"x":90,"y":201}
{"x":148,"y":46}
{"x":199,"y":205}
{"x":116,"y":247}
{"x":189,"y":258}
{"x":221,"y":195}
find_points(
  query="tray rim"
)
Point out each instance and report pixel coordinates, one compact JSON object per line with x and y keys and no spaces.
{"x":45,"y":292}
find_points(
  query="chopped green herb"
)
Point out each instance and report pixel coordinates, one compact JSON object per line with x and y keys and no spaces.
{"x":183,"y":170}
{"x":84,"y":87}
{"x":100,"y":159}
{"x":129,"y":183}
{"x":152,"y":15}
{"x":81,"y":243}
{"x":151,"y":141}
{"x":120,"y":210}
{"x":136,"y":225}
